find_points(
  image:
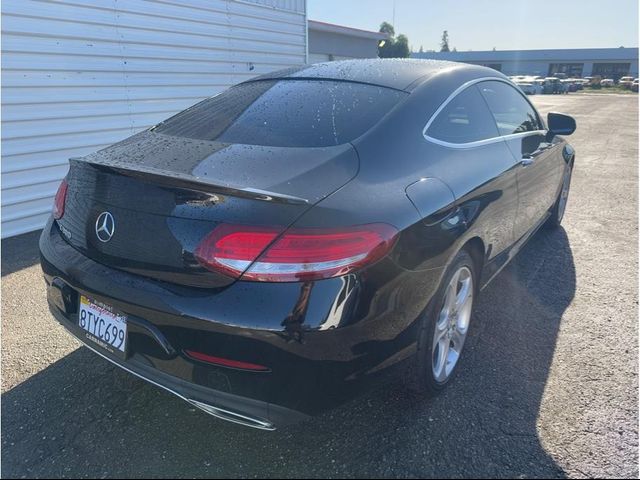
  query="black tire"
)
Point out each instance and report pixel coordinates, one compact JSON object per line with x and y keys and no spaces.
{"x":558,"y":209}
{"x":423,"y":379}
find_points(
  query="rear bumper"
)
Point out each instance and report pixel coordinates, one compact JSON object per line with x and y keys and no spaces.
{"x":232,"y":408}
{"x":321,"y":341}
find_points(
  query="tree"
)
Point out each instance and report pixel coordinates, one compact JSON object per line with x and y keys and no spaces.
{"x":444,"y":43}
{"x":402,"y":49}
{"x":393,"y":47}
{"x":386,"y":27}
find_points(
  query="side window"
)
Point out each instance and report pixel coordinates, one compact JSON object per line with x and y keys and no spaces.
{"x":464,"y":119}
{"x":512,"y":113}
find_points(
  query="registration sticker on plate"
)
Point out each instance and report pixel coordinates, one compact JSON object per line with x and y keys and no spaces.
{"x":102,"y":325}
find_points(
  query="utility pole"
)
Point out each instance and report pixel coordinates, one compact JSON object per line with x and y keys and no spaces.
{"x":393,"y":21}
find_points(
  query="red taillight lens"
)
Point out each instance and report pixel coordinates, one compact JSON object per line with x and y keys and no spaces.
{"x":225,"y":362}
{"x":264,"y":255}
{"x":61,"y":196}
{"x":230,"y":249}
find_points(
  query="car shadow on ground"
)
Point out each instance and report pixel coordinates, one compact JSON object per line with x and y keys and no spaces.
{"x":82,"y":416}
{"x":20,"y":252}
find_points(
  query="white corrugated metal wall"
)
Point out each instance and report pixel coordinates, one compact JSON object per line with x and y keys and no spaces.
{"x":78,"y":75}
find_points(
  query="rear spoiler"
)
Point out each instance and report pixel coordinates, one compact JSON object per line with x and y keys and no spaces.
{"x":188,"y":182}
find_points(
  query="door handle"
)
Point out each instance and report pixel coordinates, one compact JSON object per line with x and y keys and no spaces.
{"x":526,"y":161}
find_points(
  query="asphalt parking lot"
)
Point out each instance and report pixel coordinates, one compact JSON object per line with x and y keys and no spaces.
{"x":548,"y":386}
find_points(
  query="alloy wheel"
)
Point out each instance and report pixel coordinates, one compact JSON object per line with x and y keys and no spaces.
{"x":452,"y":324}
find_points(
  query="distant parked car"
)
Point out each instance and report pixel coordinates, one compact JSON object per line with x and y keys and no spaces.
{"x":569,"y":85}
{"x":553,"y":85}
{"x":527,"y":88}
{"x":539,"y":83}
{"x":578,"y":82}
{"x":625,"y":82}
{"x":593,"y":82}
{"x":634,"y":86}
{"x":607,"y":82}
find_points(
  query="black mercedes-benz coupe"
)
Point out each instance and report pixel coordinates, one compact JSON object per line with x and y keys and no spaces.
{"x":268,"y":251}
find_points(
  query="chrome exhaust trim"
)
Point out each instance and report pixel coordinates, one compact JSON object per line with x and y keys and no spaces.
{"x":217,"y":412}
{"x":232,"y":416}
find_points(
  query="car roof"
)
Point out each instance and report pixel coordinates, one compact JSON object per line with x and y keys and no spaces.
{"x":401,"y":74}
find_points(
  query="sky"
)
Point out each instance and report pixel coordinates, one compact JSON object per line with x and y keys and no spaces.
{"x":485,"y":24}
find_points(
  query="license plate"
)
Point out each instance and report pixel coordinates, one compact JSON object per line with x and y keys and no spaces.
{"x":103,"y":326}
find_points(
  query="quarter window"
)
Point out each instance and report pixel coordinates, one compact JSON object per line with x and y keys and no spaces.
{"x":464,"y":119}
{"x":512,"y":113}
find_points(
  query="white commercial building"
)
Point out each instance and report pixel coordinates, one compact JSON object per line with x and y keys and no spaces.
{"x":78,"y":75}
{"x":574,"y":62}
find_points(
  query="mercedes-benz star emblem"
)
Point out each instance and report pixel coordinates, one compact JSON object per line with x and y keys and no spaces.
{"x":105,"y":226}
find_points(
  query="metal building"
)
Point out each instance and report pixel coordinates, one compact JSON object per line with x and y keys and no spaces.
{"x":78,"y":75}
{"x":578,"y":62}
{"x":335,"y":42}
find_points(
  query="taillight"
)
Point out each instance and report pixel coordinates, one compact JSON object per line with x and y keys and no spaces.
{"x":61,"y":196}
{"x":298,"y":254}
{"x":225,"y":362}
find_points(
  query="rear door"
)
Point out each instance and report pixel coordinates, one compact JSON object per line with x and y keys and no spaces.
{"x":540,"y":170}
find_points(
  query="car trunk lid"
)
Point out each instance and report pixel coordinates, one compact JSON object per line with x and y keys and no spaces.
{"x":165,"y":193}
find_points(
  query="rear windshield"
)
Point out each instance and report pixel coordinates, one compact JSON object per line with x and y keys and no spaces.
{"x":285,"y":113}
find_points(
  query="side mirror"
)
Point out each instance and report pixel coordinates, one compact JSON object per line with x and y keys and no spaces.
{"x":561,"y":124}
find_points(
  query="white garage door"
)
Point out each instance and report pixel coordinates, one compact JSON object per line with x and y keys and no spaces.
{"x":78,"y":75}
